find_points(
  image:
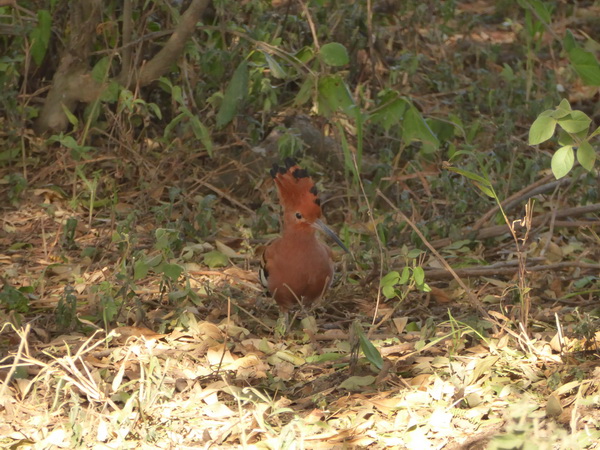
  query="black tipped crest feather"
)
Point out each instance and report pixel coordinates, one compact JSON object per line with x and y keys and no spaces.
{"x":300,"y":173}
{"x":289,"y":162}
{"x":275,"y":170}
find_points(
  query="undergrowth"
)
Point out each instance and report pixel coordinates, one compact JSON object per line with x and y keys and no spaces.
{"x":467,"y":312}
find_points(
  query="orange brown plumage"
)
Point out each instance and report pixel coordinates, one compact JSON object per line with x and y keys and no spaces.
{"x":297,"y":266}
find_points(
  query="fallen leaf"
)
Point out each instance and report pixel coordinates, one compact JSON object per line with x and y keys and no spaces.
{"x":356,"y":383}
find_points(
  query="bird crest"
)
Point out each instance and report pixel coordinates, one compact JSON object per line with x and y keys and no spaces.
{"x":296,"y":189}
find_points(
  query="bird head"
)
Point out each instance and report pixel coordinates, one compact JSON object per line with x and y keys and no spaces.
{"x":297,"y":194}
{"x":299,"y":198}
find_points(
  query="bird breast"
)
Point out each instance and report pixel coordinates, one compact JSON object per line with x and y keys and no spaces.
{"x":299,"y":268}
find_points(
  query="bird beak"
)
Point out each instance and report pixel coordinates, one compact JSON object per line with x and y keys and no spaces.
{"x":329,"y":232}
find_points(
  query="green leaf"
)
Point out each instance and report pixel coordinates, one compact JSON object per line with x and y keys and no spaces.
{"x":155,"y":109}
{"x":155,"y":260}
{"x":507,"y":73}
{"x":485,"y":189}
{"x":143,"y":265}
{"x":585,"y":63}
{"x":305,"y":54}
{"x":586,"y":156}
{"x":541,"y":11}
{"x":172,"y":124}
{"x":202,"y":133}
{"x":305,"y":92}
{"x":565,"y":138}
{"x":324,"y":357}
{"x":73,"y":120}
{"x":414,"y":253}
{"x":371,"y":353}
{"x":481,"y":183}
{"x":419,"y":275}
{"x":390,"y":279}
{"x":235,"y":94}
{"x":178,"y":295}
{"x":100,"y":69}
{"x":575,"y":122}
{"x":562,"y":110}
{"x":334,"y":95}
{"x":276,"y":70}
{"x":357,"y":383}
{"x":416,"y":129}
{"x":111,"y":93}
{"x":470,"y":175}
{"x":334,"y":54}
{"x":391,"y":111}
{"x":177,"y":95}
{"x":140,"y":269}
{"x":388,"y":291}
{"x":215,"y":259}
{"x":14,"y":299}
{"x":405,"y":275}
{"x":562,"y":161}
{"x":569,"y":42}
{"x":541,"y":130}
{"x":172,"y":271}
{"x":443,"y":130}
{"x":40,"y":36}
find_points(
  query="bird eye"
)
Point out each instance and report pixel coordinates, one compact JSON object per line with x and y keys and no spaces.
{"x":298,"y":216}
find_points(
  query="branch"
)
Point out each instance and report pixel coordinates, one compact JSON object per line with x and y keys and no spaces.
{"x":127,"y":33}
{"x":167,"y":56}
{"x":73,"y":83}
{"x":499,"y":230}
{"x":494,"y":271}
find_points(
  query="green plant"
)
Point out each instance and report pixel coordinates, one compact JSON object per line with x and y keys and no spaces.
{"x":69,"y":231}
{"x":110,"y":302}
{"x":16,"y":299}
{"x":17,"y":184}
{"x":397,"y":285}
{"x":66,"y":310}
{"x":584,"y":62}
{"x":167,"y":242}
{"x":40,"y":36}
{"x":205,"y":222}
{"x":185,"y":118}
{"x":538,"y":16}
{"x":484,"y":184}
{"x":574,"y":137}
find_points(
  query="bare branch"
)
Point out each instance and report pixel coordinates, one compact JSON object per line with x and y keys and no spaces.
{"x":163,"y":60}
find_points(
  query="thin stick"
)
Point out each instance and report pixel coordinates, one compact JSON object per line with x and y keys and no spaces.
{"x":517,"y":198}
{"x":311,"y":24}
{"x":379,"y":244}
{"x":16,"y":360}
{"x":505,"y":269}
{"x":498,"y":230}
{"x":228,"y":197}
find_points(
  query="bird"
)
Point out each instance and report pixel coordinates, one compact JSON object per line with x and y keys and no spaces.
{"x":297,"y":267}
